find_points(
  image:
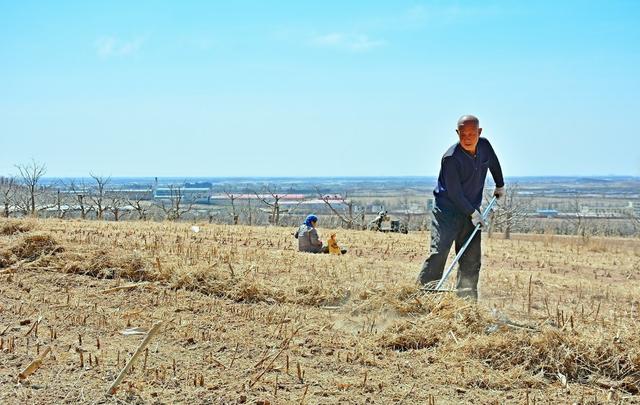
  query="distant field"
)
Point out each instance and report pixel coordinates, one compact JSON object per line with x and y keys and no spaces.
{"x":247,"y":319}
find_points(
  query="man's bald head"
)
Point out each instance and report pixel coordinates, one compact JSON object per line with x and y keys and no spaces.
{"x":468,"y":119}
{"x":469,"y":132}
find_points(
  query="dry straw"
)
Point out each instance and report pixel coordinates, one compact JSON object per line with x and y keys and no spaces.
{"x":258,"y":265}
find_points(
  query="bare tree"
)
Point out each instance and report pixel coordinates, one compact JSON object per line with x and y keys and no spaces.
{"x":273,"y":203}
{"x":511,"y":212}
{"x":8,"y":188}
{"x":117,"y":203}
{"x":290,"y":213}
{"x":578,"y":219}
{"x":99,"y":195}
{"x":232,"y":198}
{"x":248,"y":210}
{"x":136,"y":202}
{"x":82,"y":196}
{"x":174,"y":207}
{"x":634,"y":220}
{"x":61,"y":204}
{"x":350,"y":217}
{"x":405,"y":205}
{"x":30,"y":175}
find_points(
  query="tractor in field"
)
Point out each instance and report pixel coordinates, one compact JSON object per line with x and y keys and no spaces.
{"x":384,"y":223}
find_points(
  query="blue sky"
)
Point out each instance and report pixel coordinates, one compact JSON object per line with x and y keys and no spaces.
{"x":334,"y":88}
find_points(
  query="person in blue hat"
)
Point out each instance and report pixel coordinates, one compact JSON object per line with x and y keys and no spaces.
{"x":308,"y":239}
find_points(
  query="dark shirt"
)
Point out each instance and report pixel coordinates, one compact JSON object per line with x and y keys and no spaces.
{"x":462,"y":177}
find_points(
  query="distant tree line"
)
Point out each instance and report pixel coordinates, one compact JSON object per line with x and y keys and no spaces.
{"x":97,"y":198}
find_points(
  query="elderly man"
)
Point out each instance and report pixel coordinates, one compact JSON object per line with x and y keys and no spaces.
{"x":456,"y":211}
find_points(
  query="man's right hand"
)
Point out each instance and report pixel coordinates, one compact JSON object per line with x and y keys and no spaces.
{"x":476,"y":218}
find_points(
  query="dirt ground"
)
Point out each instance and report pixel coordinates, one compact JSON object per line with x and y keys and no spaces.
{"x":247,"y":319}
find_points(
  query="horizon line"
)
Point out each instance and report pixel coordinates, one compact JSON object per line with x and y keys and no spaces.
{"x":597,"y":176}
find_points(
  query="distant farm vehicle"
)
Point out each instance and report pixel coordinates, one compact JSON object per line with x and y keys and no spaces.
{"x":384,"y":223}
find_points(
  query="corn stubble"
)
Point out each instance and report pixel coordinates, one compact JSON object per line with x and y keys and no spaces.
{"x":246,"y":318}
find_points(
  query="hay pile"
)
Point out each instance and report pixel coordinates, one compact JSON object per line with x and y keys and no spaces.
{"x":11,"y":227}
{"x":108,"y":264}
{"x":219,"y":281}
{"x":442,"y":318}
{"x":465,"y":332}
{"x":28,"y":248}
{"x":6,"y":258}
{"x":582,"y":357}
{"x":31,"y":247}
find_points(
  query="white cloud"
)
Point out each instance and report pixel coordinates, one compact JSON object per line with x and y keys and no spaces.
{"x":107,"y":47}
{"x":350,"y":42}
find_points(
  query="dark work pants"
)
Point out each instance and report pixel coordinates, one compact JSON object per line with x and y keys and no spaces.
{"x":448,"y":226}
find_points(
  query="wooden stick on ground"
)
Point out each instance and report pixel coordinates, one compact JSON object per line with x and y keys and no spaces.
{"x":125,"y":287}
{"x":14,"y":267}
{"x":154,"y":330}
{"x":285,"y":346}
{"x":35,"y":324}
{"x":407,"y":394}
{"x":35,"y":364}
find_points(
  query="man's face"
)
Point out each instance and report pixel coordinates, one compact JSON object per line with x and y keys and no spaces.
{"x":469,"y":134}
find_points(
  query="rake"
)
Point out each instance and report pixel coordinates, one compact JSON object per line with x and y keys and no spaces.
{"x":447,"y":273}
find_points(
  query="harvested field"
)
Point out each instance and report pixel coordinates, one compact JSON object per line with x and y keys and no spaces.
{"x":247,"y":319}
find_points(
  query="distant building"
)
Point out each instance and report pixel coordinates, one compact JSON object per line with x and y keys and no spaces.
{"x":250,"y":196}
{"x":190,"y":194}
{"x":315,"y":205}
{"x":608,"y":211}
{"x":547,"y":213}
{"x":143,"y":194}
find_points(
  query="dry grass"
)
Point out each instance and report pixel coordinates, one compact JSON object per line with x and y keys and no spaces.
{"x":29,"y":247}
{"x":104,"y":263}
{"x":249,"y":319}
{"x":11,"y":227}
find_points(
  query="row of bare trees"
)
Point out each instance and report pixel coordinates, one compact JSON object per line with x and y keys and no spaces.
{"x":97,"y":198}
{"x":22,"y":192}
{"x":511,"y":213}
{"x":26,"y":195}
{"x":351,"y":215}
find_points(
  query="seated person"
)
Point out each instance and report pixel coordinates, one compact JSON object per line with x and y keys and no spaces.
{"x":308,"y":240}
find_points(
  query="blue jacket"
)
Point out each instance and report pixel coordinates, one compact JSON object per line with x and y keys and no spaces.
{"x":462,"y":177}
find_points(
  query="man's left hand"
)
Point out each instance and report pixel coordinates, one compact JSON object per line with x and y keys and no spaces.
{"x":499,"y":192}
{"x":476,"y":219}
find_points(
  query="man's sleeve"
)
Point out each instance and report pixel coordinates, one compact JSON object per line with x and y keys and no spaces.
{"x":453,"y":185}
{"x":496,"y":169}
{"x":313,"y":236}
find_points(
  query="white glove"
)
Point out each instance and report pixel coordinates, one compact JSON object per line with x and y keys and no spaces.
{"x":499,"y":192}
{"x":476,"y":218}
